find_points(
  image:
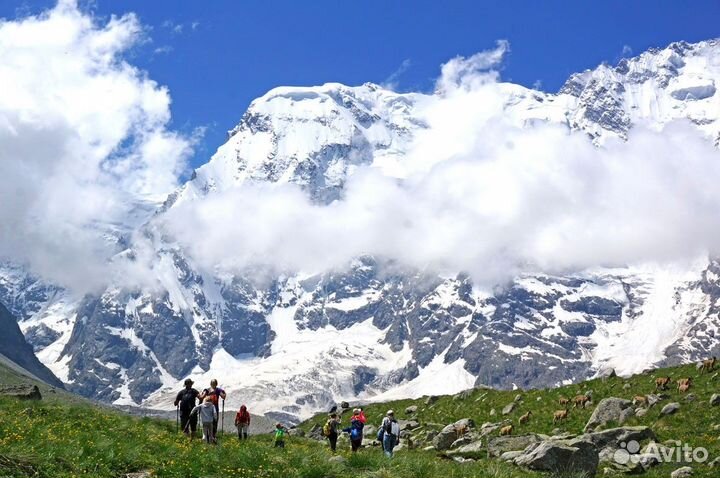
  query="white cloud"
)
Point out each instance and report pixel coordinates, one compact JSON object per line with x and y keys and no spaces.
{"x":627,"y":50}
{"x":480,"y":195}
{"x":83,"y":137}
{"x":391,"y":82}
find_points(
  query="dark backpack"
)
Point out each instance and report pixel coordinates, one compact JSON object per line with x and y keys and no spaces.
{"x":188,"y":400}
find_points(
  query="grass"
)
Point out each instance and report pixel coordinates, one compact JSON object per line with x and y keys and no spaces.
{"x":59,"y":437}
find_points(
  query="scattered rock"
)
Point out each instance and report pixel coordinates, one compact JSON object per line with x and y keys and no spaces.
{"x":518,"y":398}
{"x":492,"y":412}
{"x":21,"y":392}
{"x":566,"y":457}
{"x":539,"y":399}
{"x":611,"y":409}
{"x":408,"y":424}
{"x":139,"y":474}
{"x":654,"y":399}
{"x":626,"y":386}
{"x":670,"y":408}
{"x":690,"y":397}
{"x":474,"y":449}
{"x":699,"y":366}
{"x":316,"y":433}
{"x":715,"y":399}
{"x":411,"y":409}
{"x":507,"y":410}
{"x":640,"y":412}
{"x":431,"y":399}
{"x":462,"y":441}
{"x":448,"y":435}
{"x":510,"y":455}
{"x":714,"y":463}
{"x":460,"y":459}
{"x":296,"y":432}
{"x":337,"y":459}
{"x":499,"y":445}
{"x":429,"y":448}
{"x":344,"y":405}
{"x":683,"y":472}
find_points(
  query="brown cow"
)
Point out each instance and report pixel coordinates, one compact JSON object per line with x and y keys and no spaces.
{"x":708,"y":365}
{"x":524,"y":418}
{"x":640,"y":400}
{"x":560,"y":415}
{"x":684,"y":382}
{"x":580,"y":401}
{"x":661,"y":383}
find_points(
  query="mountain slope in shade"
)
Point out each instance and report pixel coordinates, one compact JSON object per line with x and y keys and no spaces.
{"x":14,"y":347}
{"x":298,"y":343}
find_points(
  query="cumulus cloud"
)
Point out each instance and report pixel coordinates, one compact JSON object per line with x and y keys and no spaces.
{"x":84,"y":141}
{"x":480,"y":194}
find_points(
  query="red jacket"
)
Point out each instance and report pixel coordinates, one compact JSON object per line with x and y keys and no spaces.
{"x":242,"y":417}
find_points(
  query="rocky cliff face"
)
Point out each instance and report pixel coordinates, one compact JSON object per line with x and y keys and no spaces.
{"x":296,"y":343}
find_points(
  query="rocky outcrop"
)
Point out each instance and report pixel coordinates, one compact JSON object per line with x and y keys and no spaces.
{"x":21,"y":392}
{"x":610,"y":410}
{"x":561,"y":457}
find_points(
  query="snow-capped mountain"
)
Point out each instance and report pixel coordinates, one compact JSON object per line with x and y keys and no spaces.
{"x":296,"y":343}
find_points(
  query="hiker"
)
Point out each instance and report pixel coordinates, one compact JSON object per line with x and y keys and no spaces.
{"x":389,"y":433}
{"x":280,"y":432}
{"x":215,"y":394}
{"x":360,"y":414}
{"x":242,"y":422}
{"x":208,"y":416}
{"x":330,"y":430}
{"x":187,"y":399}
{"x":357,"y":422}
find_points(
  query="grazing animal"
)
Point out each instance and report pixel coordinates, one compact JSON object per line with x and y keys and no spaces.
{"x":684,"y":387}
{"x":708,"y":365}
{"x":525,"y":418}
{"x":560,"y":415}
{"x":563,"y":401}
{"x":580,"y":401}
{"x":684,"y":383}
{"x":507,"y":430}
{"x":640,"y":400}
{"x":661,"y":383}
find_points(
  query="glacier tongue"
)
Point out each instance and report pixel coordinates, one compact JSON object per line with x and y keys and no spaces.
{"x":298,"y":343}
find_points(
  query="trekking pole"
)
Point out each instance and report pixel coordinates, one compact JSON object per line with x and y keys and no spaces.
{"x":222,"y":418}
{"x":177,"y":418}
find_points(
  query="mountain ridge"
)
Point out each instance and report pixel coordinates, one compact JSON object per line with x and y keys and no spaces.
{"x":368,"y":332}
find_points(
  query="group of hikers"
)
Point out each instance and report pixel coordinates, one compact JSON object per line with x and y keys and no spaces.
{"x":191,"y":404}
{"x":388,"y":434}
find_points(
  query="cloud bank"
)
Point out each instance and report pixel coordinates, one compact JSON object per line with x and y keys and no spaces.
{"x":85,"y":148}
{"x":84,"y":140}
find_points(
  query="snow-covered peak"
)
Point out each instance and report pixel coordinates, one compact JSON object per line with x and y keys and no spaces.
{"x":310,"y":136}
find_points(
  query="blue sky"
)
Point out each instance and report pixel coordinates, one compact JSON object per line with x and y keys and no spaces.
{"x":217,"y":55}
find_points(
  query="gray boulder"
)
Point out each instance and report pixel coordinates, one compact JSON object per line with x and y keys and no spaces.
{"x":715,"y":399}
{"x":337,"y":459}
{"x":510,"y":455}
{"x":430,"y":400}
{"x":561,"y":457}
{"x":670,"y":408}
{"x":611,"y":409}
{"x":474,"y":449}
{"x":448,"y":435}
{"x":499,"y":445}
{"x":21,"y":392}
{"x":408,"y":424}
{"x":684,"y":472}
{"x":507,"y":410}
{"x":411,"y":409}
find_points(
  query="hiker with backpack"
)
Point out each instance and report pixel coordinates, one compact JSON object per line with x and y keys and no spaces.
{"x":330,"y":430}
{"x":389,"y":433}
{"x":280,"y":431}
{"x":357,"y":423}
{"x":208,"y":416}
{"x":242,"y":422}
{"x":215,"y":394}
{"x":186,"y":400}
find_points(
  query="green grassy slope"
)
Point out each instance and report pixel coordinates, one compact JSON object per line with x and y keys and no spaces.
{"x":63,"y":437}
